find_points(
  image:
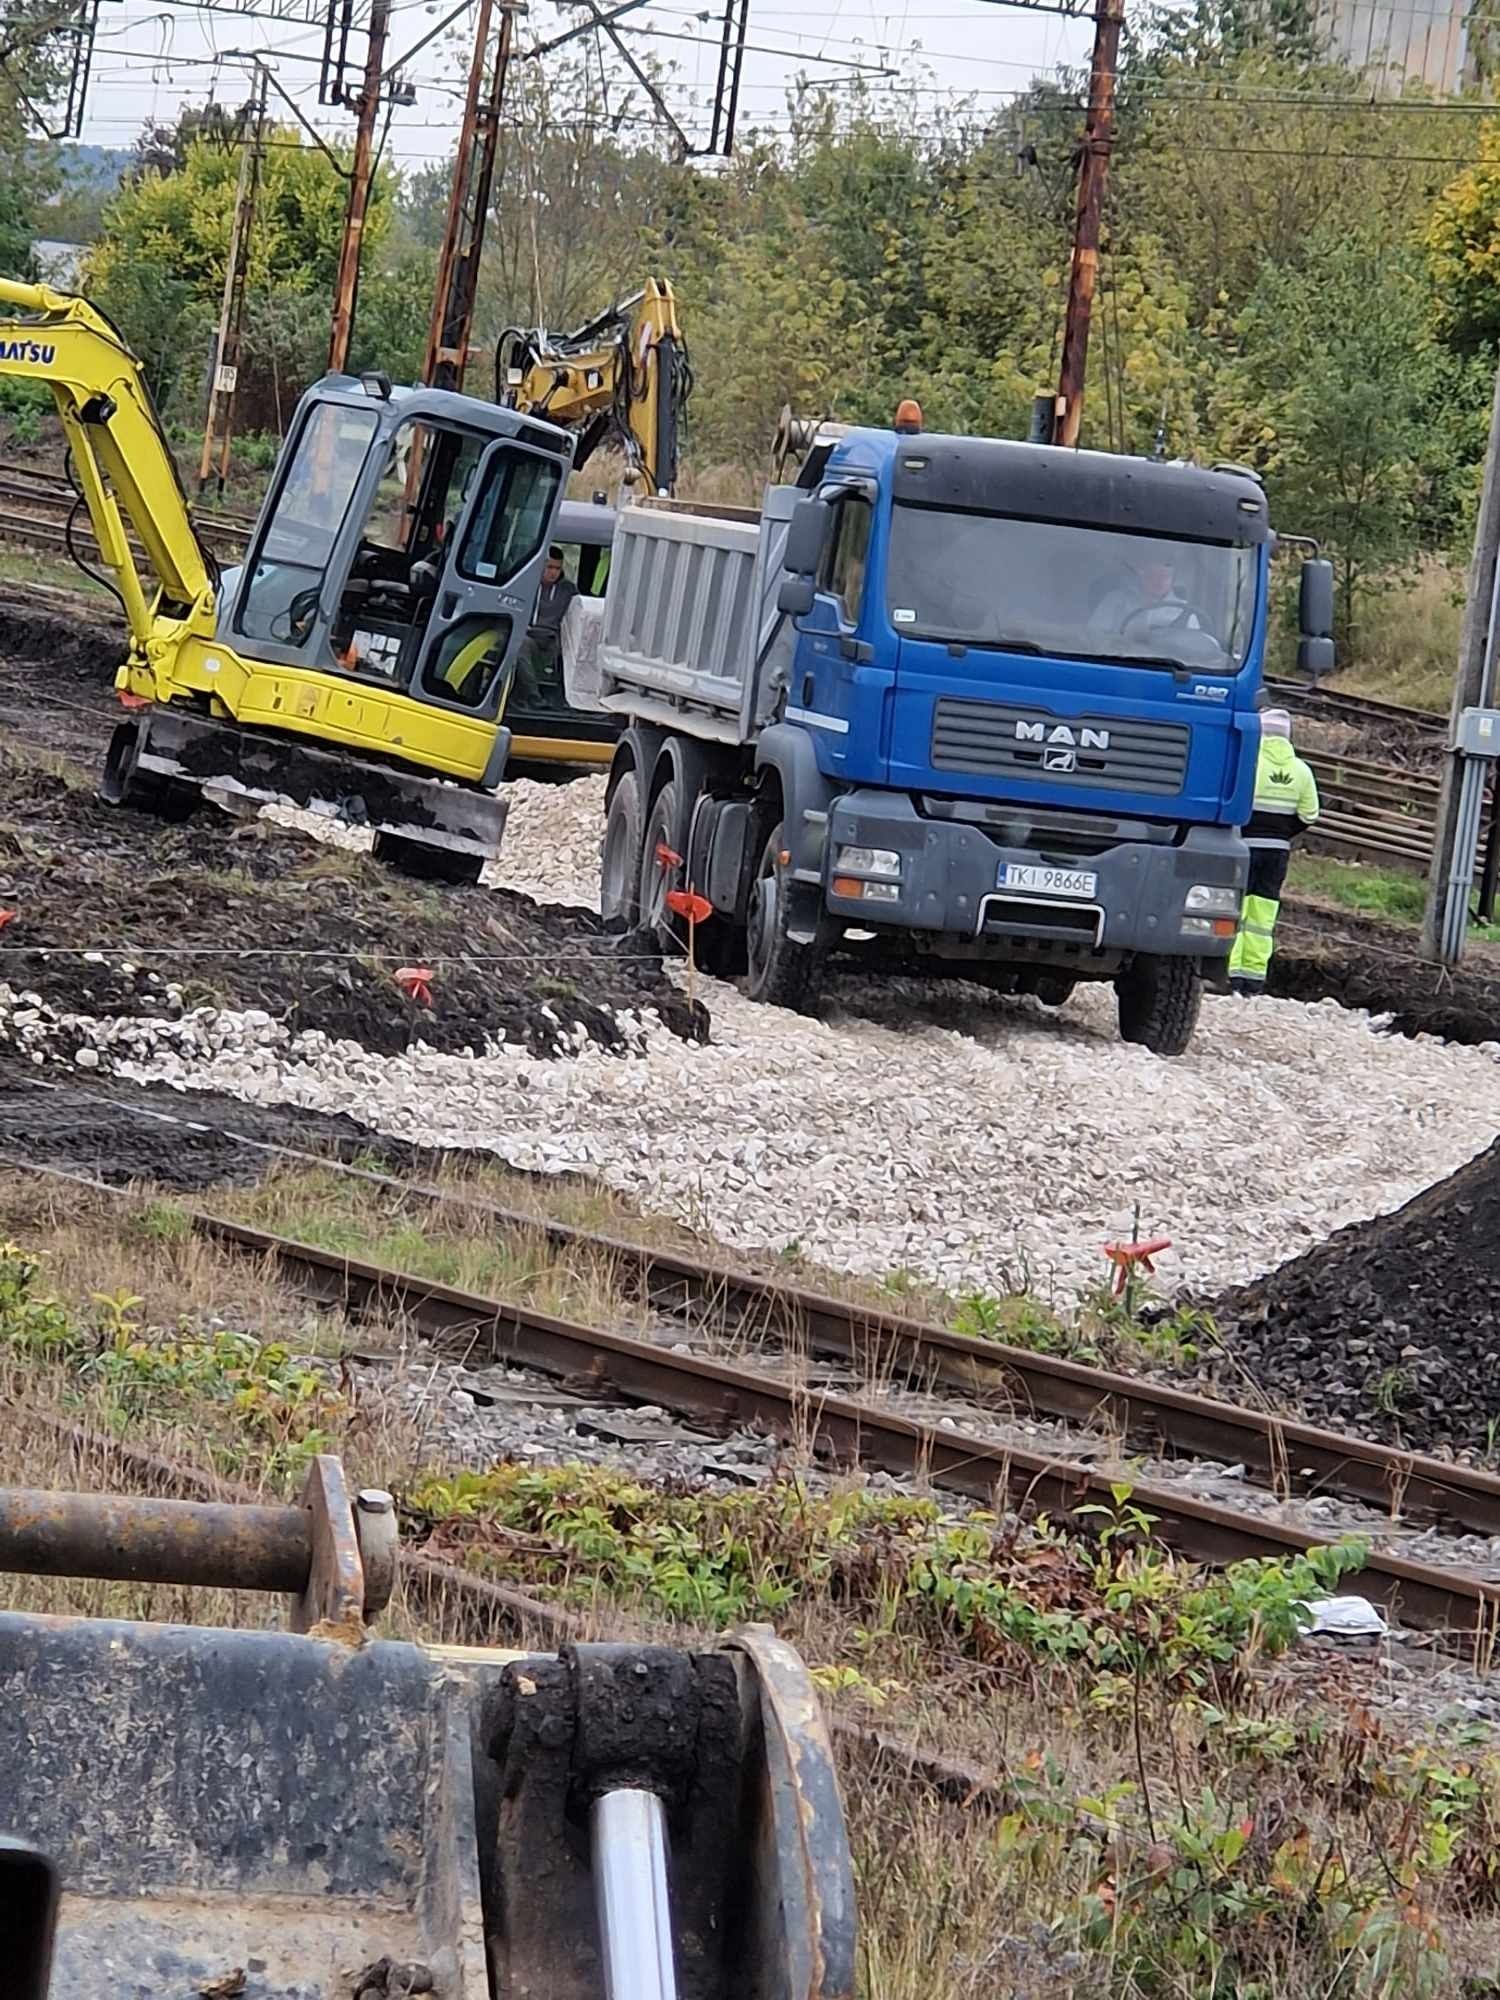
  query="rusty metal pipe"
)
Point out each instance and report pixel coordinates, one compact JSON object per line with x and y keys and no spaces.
{"x":154,"y":1541}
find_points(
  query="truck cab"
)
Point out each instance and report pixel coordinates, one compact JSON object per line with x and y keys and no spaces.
{"x":1031,"y":675}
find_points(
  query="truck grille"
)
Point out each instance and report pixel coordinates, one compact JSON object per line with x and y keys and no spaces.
{"x":981,"y":737}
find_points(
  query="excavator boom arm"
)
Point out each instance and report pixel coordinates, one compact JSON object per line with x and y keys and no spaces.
{"x":623,"y":376}
{"x":124,"y":466}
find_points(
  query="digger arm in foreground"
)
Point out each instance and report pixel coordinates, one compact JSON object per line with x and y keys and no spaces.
{"x":317,"y":1814}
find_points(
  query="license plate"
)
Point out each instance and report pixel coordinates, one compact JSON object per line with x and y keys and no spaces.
{"x":1027,"y":879}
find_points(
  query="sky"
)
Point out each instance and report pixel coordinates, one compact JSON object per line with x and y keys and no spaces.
{"x":153,"y":58}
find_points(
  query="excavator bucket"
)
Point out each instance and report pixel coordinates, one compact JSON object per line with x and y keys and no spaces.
{"x":318,"y":1814}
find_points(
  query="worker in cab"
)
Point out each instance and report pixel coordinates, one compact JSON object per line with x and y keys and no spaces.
{"x":1286,"y":806}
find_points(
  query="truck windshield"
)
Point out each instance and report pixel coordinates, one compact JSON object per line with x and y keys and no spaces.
{"x":1069,"y":591}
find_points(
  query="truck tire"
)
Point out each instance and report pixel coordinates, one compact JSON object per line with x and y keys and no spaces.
{"x":427,"y":864}
{"x":1158,"y":1001}
{"x":780,"y":972}
{"x":664,"y":828}
{"x":620,"y":856}
{"x":123,"y":784}
{"x":1054,"y":989}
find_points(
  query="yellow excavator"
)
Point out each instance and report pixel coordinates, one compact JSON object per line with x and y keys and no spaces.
{"x":623,"y":378}
{"x":359,"y":661}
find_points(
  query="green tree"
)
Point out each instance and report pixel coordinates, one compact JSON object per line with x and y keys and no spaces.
{"x":1463,"y":248}
{"x":1337,"y":393}
{"x":158,"y":267}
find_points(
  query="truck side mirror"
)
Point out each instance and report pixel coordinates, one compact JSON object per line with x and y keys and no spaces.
{"x":1315,"y":652}
{"x":28,"y":1919}
{"x":807,"y":538}
{"x":795,"y":597}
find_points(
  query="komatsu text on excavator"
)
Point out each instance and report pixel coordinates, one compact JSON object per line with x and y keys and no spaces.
{"x":359,"y":662}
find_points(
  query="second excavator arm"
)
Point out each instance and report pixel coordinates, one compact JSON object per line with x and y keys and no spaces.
{"x":623,"y":378}
{"x":123,"y":465}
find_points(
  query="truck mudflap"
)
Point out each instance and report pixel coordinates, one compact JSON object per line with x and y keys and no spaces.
{"x":327,"y":1816}
{"x":165,"y":753}
{"x":892,"y":868}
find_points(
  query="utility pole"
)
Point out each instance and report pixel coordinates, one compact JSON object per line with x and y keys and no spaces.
{"x":468,"y":205}
{"x":221,"y":389}
{"x":1093,"y":172}
{"x":1474,"y":686}
{"x":367,"y":105}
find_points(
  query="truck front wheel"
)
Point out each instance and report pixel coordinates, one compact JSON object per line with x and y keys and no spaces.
{"x":1158,"y":1001}
{"x":781,"y":972}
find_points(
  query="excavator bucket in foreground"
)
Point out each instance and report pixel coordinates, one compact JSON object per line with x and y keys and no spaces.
{"x":316,"y":1814}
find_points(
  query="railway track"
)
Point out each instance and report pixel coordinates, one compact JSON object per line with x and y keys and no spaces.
{"x":1289,"y":1457}
{"x":872,"y":1432}
{"x":873,"y":1435}
{"x":1363,"y":709}
{"x":37,"y":507}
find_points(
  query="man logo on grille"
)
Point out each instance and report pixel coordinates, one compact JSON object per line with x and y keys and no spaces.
{"x":1059,"y":760}
{"x":1088,"y":736}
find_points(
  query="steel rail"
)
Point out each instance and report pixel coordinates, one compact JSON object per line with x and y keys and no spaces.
{"x":1362,"y":707}
{"x":1283,"y":1453}
{"x":848,"y":1431}
{"x":48,"y":490}
{"x":1289,"y":1456}
{"x":48,"y":529}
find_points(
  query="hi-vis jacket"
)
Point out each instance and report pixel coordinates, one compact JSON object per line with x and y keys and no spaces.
{"x":1286,"y":796}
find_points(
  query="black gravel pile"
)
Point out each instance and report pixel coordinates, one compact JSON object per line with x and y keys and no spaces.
{"x":111,"y":908}
{"x":1390,"y":1328}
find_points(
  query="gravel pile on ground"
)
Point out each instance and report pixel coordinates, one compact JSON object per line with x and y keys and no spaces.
{"x":978,"y":1142}
{"x":551,"y":846}
{"x":116,"y":914}
{"x":1392,"y":1327}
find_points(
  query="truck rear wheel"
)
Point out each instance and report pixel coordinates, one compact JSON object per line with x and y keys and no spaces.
{"x":663,"y":829}
{"x":427,"y":864}
{"x":620,"y":860}
{"x":1158,"y":1002}
{"x":781,"y":972}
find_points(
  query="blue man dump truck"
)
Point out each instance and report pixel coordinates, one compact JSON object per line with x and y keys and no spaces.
{"x":946,"y":704}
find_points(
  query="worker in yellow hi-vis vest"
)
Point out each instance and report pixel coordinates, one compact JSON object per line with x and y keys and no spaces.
{"x":1286,"y":805}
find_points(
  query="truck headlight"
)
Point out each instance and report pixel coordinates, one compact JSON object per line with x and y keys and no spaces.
{"x":868,"y":861}
{"x":1207,"y":899}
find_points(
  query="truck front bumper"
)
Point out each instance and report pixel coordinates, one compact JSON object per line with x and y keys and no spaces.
{"x":949,"y":885}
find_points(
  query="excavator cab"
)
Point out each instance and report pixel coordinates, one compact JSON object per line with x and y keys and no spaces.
{"x":551,"y":737}
{"x":401,"y":545}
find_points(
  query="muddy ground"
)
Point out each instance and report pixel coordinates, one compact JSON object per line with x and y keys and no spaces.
{"x":118,"y":1132}
{"x":1391,"y":1327}
{"x":246,"y":914}
{"x":57,"y":663}
{"x":1334,"y":955}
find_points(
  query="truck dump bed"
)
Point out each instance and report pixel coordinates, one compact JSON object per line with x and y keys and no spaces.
{"x":692,"y":636}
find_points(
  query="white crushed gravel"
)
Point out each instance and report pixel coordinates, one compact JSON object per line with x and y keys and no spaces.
{"x":551,"y":839}
{"x":972,"y":1139}
{"x":976,"y":1143}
